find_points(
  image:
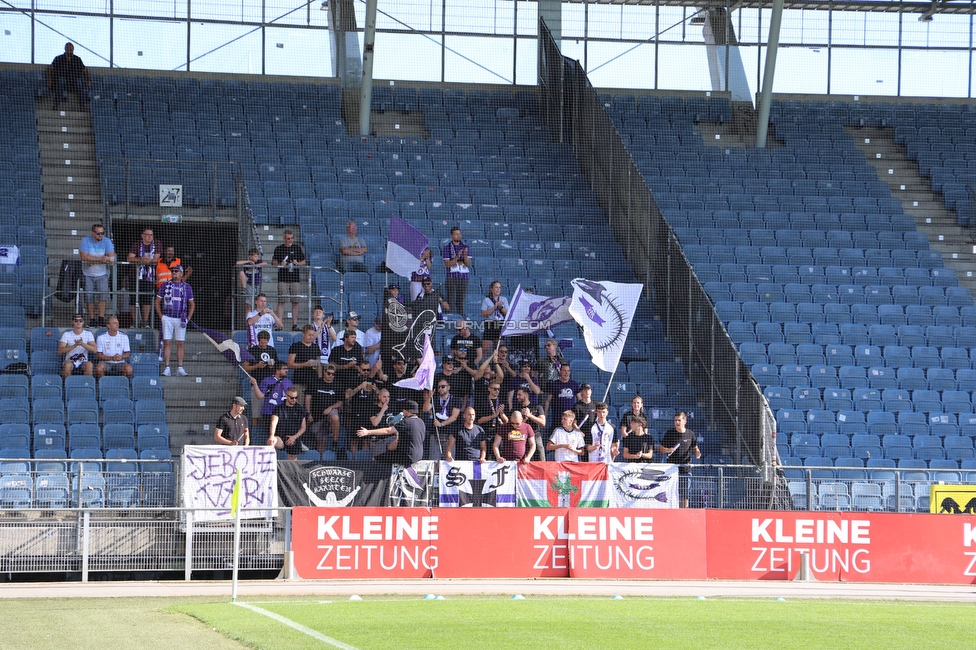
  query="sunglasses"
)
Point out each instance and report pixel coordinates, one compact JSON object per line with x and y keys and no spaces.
{"x":77,"y":320}
{"x":443,"y":386}
{"x":98,"y":232}
{"x":329,"y":372}
{"x":289,"y":397}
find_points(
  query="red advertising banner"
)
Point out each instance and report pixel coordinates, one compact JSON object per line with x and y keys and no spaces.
{"x":343,"y":543}
{"x":339,"y":543}
{"x":843,"y":546}
{"x":637,"y":543}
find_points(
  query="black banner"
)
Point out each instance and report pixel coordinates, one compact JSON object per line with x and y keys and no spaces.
{"x":336,"y":484}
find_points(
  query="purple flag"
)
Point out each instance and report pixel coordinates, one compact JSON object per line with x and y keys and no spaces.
{"x":423,"y":379}
{"x":404,"y":248}
{"x":226,"y":345}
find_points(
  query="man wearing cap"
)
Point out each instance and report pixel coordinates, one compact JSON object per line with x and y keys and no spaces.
{"x":585,"y":408}
{"x":352,"y":323}
{"x":232,"y":427}
{"x":402,"y":443}
{"x":174,"y":306}
{"x":466,"y":344}
{"x":460,"y":381}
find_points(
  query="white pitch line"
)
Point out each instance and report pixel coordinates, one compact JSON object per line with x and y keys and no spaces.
{"x":298,"y":626}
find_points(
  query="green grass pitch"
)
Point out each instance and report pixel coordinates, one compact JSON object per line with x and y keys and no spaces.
{"x":491,"y":622}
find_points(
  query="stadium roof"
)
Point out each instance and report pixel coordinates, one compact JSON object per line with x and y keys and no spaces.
{"x":886,"y":6}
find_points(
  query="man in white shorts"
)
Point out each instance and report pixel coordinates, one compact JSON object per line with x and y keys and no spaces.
{"x":174,"y":306}
{"x":113,"y":351}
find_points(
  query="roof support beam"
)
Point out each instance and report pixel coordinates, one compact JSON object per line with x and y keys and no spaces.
{"x":766,"y":98}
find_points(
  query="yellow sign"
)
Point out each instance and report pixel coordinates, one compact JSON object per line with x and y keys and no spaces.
{"x":952,"y":499}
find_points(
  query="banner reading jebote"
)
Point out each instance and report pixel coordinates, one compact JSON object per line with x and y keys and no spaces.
{"x":562,"y":485}
{"x":209,"y":474}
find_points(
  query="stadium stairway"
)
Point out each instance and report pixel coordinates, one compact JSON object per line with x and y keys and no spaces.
{"x":919,"y":200}
{"x":71,"y":196}
{"x":194,"y":403}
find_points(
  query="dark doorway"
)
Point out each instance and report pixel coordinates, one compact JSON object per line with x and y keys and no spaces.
{"x":210,"y":248}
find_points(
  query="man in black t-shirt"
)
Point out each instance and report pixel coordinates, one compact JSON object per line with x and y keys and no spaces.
{"x":400,"y":394}
{"x":460,"y":381}
{"x":585,"y":408}
{"x":346,"y":359}
{"x":467,"y":343}
{"x":303,"y":358}
{"x":323,"y":400}
{"x":680,"y":443}
{"x":638,"y":445}
{"x":265,"y":358}
{"x":232,"y":427}
{"x":288,"y":256}
{"x":404,"y":441}
{"x":360,"y":401}
{"x":288,"y":423}
{"x":470,"y":438}
{"x":68,"y":73}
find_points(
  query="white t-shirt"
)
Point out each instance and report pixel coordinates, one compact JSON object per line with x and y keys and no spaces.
{"x":360,"y":337}
{"x":371,"y":337}
{"x":112,"y":345}
{"x":561,"y":437}
{"x":78,"y":355}
{"x":604,"y":435}
{"x":265,"y":323}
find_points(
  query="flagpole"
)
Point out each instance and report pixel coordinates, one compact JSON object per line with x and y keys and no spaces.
{"x":610,"y":383}
{"x":237,"y":555}
{"x":236,"y":512}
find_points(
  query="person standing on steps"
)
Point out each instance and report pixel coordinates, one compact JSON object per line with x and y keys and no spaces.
{"x":174,"y":306}
{"x":144,"y":255}
{"x":96,"y":251}
{"x":67,"y":72}
{"x":288,"y":256}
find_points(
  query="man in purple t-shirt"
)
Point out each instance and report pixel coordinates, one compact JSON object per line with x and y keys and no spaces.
{"x":272,"y":391}
{"x":174,"y":306}
{"x":457,"y":261}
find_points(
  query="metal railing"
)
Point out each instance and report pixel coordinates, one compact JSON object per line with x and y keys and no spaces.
{"x":138,"y":537}
{"x":730,"y":396}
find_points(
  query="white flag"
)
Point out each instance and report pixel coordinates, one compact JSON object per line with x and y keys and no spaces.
{"x":533,"y":313}
{"x":605,"y":311}
{"x":423,"y":379}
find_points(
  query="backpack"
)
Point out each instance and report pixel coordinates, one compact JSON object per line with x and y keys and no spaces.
{"x":68,"y":278}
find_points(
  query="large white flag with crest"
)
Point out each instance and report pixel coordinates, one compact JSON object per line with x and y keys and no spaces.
{"x":605,"y":311}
